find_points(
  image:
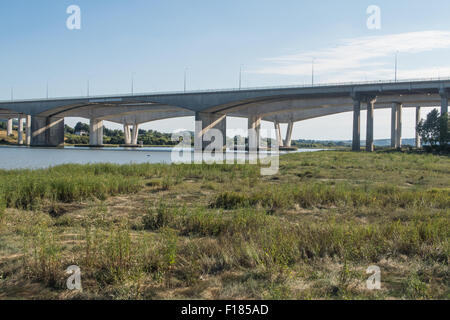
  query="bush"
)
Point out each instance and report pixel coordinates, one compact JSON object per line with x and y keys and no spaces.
{"x":2,"y":209}
{"x":231,"y":200}
{"x":435,"y":129}
{"x":155,"y":220}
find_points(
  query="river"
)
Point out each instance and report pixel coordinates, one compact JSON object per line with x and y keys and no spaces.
{"x":12,"y":157}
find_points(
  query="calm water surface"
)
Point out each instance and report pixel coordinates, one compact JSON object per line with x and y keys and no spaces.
{"x":36,"y":158}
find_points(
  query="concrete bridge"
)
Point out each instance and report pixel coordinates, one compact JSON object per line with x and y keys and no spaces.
{"x":44,"y":118}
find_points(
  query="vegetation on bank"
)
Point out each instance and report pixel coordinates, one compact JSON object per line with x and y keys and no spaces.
{"x":116,"y":137}
{"x":154,"y":231}
{"x":435,"y":131}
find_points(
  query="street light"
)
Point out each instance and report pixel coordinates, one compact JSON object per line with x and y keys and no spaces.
{"x":132,"y":83}
{"x":396,"y":64}
{"x":240,"y":76}
{"x":312,"y":72}
{"x":185,"y":78}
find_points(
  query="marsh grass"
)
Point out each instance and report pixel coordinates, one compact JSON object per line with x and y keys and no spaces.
{"x":28,"y":190}
{"x":2,"y":210}
{"x":200,"y":231}
{"x":339,"y":194}
{"x":42,"y":257}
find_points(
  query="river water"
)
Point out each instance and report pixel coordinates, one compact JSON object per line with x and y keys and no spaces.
{"x":12,"y":157}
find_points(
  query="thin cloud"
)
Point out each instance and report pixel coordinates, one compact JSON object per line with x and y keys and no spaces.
{"x":361,"y":58}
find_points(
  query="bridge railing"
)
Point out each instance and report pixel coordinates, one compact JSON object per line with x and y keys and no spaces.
{"x":318,"y":85}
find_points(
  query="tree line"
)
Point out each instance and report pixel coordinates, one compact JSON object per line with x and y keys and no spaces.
{"x":116,"y":136}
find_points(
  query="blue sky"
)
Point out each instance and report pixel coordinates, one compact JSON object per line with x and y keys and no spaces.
{"x":275,"y":42}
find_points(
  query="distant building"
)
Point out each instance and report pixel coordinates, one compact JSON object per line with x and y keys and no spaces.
{"x":81,"y":133}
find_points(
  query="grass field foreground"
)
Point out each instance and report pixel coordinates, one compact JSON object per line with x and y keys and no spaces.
{"x":225,"y":232}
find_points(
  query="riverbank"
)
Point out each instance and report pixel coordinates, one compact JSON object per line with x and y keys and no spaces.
{"x":154,"y":231}
{"x":8,"y":140}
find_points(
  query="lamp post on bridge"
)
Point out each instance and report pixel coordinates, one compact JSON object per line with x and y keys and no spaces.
{"x":185,"y":78}
{"x":396,"y":65}
{"x":132,"y":83}
{"x":240,"y":76}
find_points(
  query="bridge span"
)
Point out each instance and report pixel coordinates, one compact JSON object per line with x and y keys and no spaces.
{"x":44,"y":118}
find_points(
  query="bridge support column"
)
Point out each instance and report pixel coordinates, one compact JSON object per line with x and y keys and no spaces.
{"x":369,"y":133}
{"x":204,"y":122}
{"x":444,"y":108}
{"x":444,"y":101}
{"x":127,"y":134}
{"x":47,"y":131}
{"x":20,"y":130}
{"x":254,"y":131}
{"x":394,"y":115}
{"x":396,"y":125}
{"x":28,"y":130}
{"x":356,"y":143}
{"x":288,"y":140}
{"x":9,"y":127}
{"x":418,"y":141}
{"x":96,"y":133}
{"x":278,"y":133}
{"x":135,"y":134}
{"x":398,"y":134}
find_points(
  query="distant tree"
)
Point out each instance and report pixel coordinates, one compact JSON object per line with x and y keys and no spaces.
{"x":81,"y":127}
{"x":434,"y":130}
{"x":444,"y":137}
{"x":73,"y":139}
{"x":68,"y":129}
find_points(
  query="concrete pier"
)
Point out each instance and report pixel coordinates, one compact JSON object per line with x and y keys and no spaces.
{"x":288,"y":140}
{"x":28,"y":130}
{"x":204,"y":122}
{"x":135,"y":134}
{"x":131,"y":134}
{"x":9,"y":127}
{"x":356,"y":143}
{"x":20,"y":130}
{"x":278,"y":133}
{"x":394,"y":125}
{"x":444,"y":101}
{"x":95,"y":133}
{"x":369,"y":133}
{"x":444,"y":107}
{"x":127,"y":134}
{"x":254,"y":132}
{"x":418,"y":139}
{"x":47,"y":131}
{"x":398,"y":134}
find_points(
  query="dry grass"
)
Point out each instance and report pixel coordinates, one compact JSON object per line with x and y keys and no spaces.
{"x":225,"y":232}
